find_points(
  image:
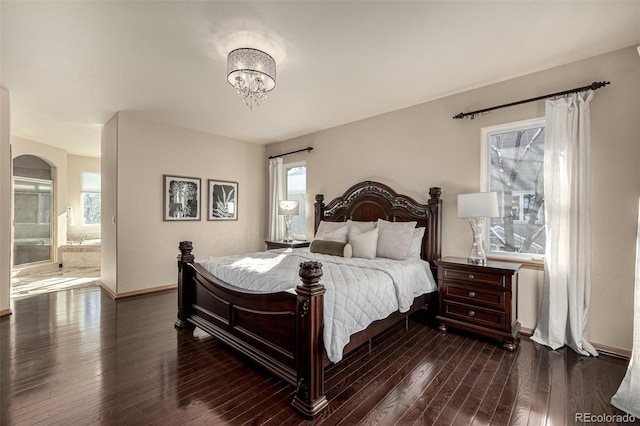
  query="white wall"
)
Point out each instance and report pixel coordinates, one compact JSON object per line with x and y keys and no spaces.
{"x":147,"y":246}
{"x":109,"y":229}
{"x":5,"y":201}
{"x":422,"y":146}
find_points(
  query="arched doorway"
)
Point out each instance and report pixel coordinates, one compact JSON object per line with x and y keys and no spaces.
{"x":33,"y":211}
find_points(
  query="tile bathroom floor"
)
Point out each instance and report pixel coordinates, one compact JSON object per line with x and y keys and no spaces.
{"x":50,"y":281}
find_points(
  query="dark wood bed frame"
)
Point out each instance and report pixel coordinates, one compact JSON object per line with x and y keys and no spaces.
{"x":283,"y":331}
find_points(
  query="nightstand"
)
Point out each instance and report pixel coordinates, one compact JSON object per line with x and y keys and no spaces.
{"x":285,"y":244}
{"x":481,"y":299}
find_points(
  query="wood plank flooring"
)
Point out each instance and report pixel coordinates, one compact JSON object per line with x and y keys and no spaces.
{"x":79,"y":357}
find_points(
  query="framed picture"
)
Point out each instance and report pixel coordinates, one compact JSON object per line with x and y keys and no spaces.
{"x":223,"y":200}
{"x":181,"y":198}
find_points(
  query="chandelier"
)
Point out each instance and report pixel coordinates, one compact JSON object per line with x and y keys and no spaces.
{"x":253,"y":73}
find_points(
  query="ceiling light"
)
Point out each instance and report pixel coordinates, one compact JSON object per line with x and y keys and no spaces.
{"x":253,"y":73}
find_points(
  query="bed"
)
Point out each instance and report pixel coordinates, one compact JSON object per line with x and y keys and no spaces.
{"x":283,"y":330}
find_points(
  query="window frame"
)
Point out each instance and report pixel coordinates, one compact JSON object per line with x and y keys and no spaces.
{"x":285,"y":192}
{"x":531,"y":259}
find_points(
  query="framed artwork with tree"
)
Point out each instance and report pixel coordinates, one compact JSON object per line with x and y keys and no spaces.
{"x":223,"y":200}
{"x":181,"y":198}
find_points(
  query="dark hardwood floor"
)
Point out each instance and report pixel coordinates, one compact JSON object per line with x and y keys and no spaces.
{"x":78,"y":357}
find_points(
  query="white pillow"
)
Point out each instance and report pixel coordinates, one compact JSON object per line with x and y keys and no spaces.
{"x":415,"y":247}
{"x":332,"y":231}
{"x":394,"y":239}
{"x":364,"y":244}
{"x":359,"y":226}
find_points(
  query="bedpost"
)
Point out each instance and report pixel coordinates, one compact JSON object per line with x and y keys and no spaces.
{"x":318,"y":211}
{"x":309,"y":397}
{"x":184,"y":274}
{"x":435,"y":226}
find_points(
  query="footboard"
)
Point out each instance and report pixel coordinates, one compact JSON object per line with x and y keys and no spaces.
{"x":280,"y":331}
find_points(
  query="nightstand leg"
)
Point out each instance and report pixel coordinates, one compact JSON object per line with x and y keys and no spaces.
{"x":442,"y":327}
{"x":510,"y":345}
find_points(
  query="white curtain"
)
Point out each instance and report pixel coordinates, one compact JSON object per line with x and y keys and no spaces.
{"x":275,"y":194}
{"x":628,"y":396}
{"x":567,"y":271}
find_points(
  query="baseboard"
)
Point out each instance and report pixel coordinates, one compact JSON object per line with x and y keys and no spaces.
{"x":107,"y":289}
{"x":5,"y":313}
{"x":604,"y":349}
{"x":138,"y":292}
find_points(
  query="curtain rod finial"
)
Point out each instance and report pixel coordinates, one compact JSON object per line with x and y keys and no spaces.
{"x":598,"y":84}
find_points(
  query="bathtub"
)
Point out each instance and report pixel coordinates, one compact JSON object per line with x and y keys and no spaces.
{"x":85,"y":254}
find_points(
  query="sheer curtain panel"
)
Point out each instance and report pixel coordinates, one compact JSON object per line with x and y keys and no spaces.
{"x":628,"y":396}
{"x":567,"y":270}
{"x":275,"y":195}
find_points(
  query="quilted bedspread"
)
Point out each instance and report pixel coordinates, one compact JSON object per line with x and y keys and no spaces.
{"x":358,"y":291}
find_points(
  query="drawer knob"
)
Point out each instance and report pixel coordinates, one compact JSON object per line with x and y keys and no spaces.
{"x":471,"y":276}
{"x":471,"y":313}
{"x":472,"y":294}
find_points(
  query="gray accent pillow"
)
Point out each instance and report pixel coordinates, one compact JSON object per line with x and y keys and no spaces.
{"x":332,"y":248}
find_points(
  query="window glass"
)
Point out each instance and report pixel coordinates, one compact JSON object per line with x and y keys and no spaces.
{"x":296,"y":189}
{"x":91,"y":198}
{"x":91,"y":211}
{"x":513,"y":166}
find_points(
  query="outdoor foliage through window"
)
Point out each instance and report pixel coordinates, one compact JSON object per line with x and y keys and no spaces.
{"x":91,"y":208}
{"x":515,"y":157}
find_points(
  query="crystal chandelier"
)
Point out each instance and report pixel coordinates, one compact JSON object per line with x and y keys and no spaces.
{"x":253,"y":73}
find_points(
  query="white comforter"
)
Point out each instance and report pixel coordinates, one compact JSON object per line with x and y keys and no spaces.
{"x":358,"y":291}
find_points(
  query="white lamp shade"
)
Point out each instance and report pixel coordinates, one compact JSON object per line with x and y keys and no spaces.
{"x":480,"y":204}
{"x":288,"y":207}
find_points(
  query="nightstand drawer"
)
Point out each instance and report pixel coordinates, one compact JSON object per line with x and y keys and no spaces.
{"x":473,"y":277}
{"x":473,"y":295}
{"x":474,"y":315}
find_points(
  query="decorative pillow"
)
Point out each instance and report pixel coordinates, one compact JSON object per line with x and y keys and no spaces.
{"x":359,"y":226}
{"x":364,"y":244}
{"x":332,"y":231}
{"x":415,"y":247}
{"x":332,"y":248}
{"x":394,"y":239}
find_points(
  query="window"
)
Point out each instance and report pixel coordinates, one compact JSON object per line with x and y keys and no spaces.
{"x":513,"y":166}
{"x":91,"y":199}
{"x":296,"y":189}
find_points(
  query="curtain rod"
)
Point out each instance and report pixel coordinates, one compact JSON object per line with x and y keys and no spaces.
{"x":593,"y":86}
{"x":308,"y":149}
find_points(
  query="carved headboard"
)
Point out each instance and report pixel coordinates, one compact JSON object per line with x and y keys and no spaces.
{"x":370,"y":201}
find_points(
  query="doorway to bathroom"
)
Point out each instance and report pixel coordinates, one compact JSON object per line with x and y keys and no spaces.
{"x":32,"y":212}
{"x":41,"y":262}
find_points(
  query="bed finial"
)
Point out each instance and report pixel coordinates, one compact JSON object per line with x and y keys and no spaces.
{"x":310,"y":272}
{"x":435,"y":192}
{"x":185,"y":247}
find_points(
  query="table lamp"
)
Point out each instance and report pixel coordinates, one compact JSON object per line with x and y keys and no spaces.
{"x":477,"y":207}
{"x":288,"y":208}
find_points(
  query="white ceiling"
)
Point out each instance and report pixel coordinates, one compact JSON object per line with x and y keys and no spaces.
{"x":69,"y":66}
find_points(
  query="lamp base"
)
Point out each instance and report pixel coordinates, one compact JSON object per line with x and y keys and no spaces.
{"x":477,"y":254}
{"x":287,"y":235}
